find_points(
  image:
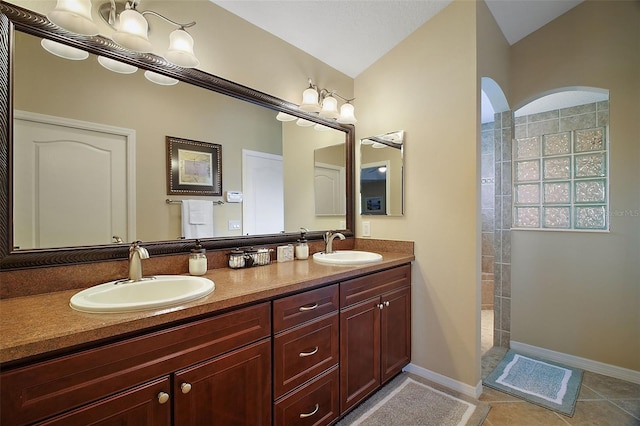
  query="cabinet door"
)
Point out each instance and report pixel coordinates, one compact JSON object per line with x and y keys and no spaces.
{"x":395,"y":326}
{"x":142,"y":405}
{"x":359,"y":352}
{"x":233,"y":389}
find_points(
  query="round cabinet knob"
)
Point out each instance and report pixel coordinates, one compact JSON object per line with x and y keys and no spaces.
{"x":163,"y":397}
{"x":386,"y":303}
{"x":185,"y":387}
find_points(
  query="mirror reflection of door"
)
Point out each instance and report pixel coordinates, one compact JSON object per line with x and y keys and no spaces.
{"x":329,"y":180}
{"x":263,"y":193}
{"x":374,"y":188}
{"x":71,"y":183}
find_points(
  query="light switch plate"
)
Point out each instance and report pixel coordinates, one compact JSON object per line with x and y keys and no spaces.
{"x":366,"y":229}
{"x":235,"y":225}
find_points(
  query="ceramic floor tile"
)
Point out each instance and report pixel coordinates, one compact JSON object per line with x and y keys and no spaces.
{"x":491,"y":395}
{"x":610,"y":387}
{"x":522,"y":414}
{"x":600,"y":413}
{"x":631,"y":406}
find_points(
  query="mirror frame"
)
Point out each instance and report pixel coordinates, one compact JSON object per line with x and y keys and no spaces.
{"x":14,"y":18}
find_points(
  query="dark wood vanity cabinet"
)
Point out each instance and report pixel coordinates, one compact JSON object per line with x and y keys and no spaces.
{"x":132,"y":378}
{"x":375,"y":332}
{"x":305,"y":357}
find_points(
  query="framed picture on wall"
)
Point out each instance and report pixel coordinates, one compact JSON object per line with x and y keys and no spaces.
{"x":193,"y":167}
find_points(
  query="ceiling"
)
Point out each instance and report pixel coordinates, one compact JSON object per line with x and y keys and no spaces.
{"x":350,"y":35}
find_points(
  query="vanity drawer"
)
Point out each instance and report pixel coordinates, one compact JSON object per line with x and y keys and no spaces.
{"x":373,"y":285}
{"x":299,"y":308}
{"x":304,"y":352}
{"x":316,"y":403}
{"x":50,"y":387}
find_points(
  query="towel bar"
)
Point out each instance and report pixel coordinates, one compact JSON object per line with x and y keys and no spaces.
{"x":170,"y":201}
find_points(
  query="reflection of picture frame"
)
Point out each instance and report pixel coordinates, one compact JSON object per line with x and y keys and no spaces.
{"x":373,"y":204}
{"x":193,"y":168}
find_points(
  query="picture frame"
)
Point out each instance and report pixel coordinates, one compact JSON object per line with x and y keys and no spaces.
{"x":193,"y":167}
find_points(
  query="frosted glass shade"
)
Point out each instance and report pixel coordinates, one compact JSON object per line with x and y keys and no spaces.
{"x":304,"y":123}
{"x":181,"y":49}
{"x":74,"y":16}
{"x":116,"y":66}
{"x":329,"y":108}
{"x":64,"y":51}
{"x":160,"y":79}
{"x":347,"y":115}
{"x":283,"y":116}
{"x":310,"y":100}
{"x":132,"y":31}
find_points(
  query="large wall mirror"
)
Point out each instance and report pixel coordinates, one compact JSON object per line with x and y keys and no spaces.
{"x":382,"y":174}
{"x":50,"y":96}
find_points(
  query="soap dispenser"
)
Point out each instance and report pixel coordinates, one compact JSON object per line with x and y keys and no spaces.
{"x":198,"y":260}
{"x":302,"y":248}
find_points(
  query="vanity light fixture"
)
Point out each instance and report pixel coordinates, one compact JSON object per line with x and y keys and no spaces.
{"x":63,"y":51}
{"x":74,"y":16}
{"x":116,"y":66}
{"x":131,"y":27}
{"x":324,"y":102}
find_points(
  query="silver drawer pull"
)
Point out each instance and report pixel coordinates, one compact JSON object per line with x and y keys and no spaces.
{"x":303,"y":354}
{"x":308,"y":308}
{"x":305,"y":415}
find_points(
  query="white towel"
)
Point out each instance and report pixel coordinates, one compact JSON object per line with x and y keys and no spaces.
{"x":197,"y":219}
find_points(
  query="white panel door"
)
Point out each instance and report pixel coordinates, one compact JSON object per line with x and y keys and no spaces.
{"x":263,"y":189}
{"x":71,"y":185}
{"x":329,"y":184}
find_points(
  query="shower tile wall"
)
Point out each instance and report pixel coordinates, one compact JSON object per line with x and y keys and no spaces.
{"x":487,"y":175}
{"x":503,"y":134}
{"x":567,"y":119}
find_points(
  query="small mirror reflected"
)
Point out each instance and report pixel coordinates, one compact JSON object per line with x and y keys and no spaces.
{"x":382,"y":174}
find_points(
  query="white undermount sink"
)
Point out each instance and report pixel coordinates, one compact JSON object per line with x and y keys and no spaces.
{"x":347,"y":257}
{"x":160,"y":292}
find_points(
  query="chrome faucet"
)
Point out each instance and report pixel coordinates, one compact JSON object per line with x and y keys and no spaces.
{"x":136,"y":254}
{"x":329,"y":236}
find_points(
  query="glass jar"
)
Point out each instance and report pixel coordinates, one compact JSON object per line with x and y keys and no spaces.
{"x":236,"y":259}
{"x":198,"y":260}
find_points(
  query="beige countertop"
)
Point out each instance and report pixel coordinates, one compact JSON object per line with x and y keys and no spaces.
{"x":33,"y":326}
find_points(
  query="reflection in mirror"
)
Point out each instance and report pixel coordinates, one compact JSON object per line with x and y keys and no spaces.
{"x":382,"y":174}
{"x":90,"y":149}
{"x":194,"y":115}
{"x":301,"y":175}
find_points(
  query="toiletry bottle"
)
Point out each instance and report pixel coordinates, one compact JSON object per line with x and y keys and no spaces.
{"x":302,"y":248}
{"x":198,"y":260}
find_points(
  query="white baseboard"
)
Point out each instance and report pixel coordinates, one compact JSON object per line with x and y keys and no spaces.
{"x":455,"y":385}
{"x":578,"y":362}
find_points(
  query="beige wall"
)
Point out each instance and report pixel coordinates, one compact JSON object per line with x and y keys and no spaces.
{"x":428,"y":86}
{"x":298,"y":145}
{"x":579,"y":293}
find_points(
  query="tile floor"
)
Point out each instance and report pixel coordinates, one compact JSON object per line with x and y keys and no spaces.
{"x":603,"y":401}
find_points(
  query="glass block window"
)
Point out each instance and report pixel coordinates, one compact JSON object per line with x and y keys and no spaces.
{"x":560,"y":181}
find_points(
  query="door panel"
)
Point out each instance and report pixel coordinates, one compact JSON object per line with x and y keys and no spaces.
{"x":233,"y":389}
{"x":263,"y":193}
{"x":71,"y":184}
{"x":360,"y":352}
